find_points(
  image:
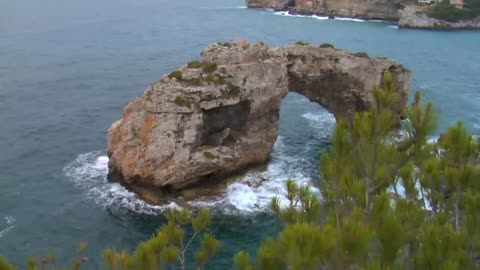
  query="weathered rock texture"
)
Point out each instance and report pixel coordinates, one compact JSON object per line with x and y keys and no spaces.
{"x":408,"y":14}
{"x":371,"y":9}
{"x":411,"y":18}
{"x":222,"y":115}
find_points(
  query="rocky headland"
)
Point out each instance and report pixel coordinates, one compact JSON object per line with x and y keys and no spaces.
{"x":408,"y":14}
{"x":412,"y":18}
{"x":219,"y":116}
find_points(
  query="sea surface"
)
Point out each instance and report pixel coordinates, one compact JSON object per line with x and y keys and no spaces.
{"x":68,"y":68}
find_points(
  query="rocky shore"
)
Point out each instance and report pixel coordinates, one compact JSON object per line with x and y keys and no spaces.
{"x":219,"y":116}
{"x":411,"y":18}
{"x":407,"y":14}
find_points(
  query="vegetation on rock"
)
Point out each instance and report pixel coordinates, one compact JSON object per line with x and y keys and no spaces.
{"x":209,"y":67}
{"x":444,"y":11}
{"x":177,"y":74}
{"x":180,"y":101}
{"x":194,"y":64}
{"x":302,"y":43}
{"x":362,"y":55}
{"x":327,"y":45}
{"x":209,"y":155}
{"x":385,"y":203}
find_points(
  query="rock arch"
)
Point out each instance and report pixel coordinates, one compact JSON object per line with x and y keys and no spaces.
{"x":220,"y":115}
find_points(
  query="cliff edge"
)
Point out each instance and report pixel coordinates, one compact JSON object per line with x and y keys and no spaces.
{"x":220,"y":115}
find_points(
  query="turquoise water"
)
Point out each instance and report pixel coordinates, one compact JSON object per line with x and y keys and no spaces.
{"x":67,"y":69}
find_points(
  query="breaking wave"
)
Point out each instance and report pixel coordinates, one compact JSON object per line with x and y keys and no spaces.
{"x":9,"y":222}
{"x":323,"y":120}
{"x":248,"y":194}
{"x":89,"y":172}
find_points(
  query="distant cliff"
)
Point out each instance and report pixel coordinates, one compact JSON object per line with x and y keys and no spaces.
{"x":371,"y":9}
{"x":411,"y":18}
{"x":406,"y":13}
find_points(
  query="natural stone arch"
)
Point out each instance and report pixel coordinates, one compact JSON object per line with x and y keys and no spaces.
{"x":219,"y":116}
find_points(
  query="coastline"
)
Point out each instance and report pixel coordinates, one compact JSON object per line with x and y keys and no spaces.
{"x":408,"y":18}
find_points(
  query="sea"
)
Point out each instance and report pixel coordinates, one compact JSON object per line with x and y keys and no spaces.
{"x":68,"y":68}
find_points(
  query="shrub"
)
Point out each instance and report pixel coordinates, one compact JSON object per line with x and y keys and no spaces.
{"x":233,"y":90}
{"x":194,"y":64}
{"x":447,"y":12}
{"x":209,"y":155}
{"x":361,"y":55}
{"x":177,"y":74}
{"x":302,"y":43}
{"x":195,"y":82}
{"x":180,"y":101}
{"x":327,"y":45}
{"x":224,"y":44}
{"x":214,"y":78}
{"x":209,"y":67}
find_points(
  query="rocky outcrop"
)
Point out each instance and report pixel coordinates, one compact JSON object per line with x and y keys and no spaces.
{"x":373,"y":9}
{"x":273,"y":4}
{"x":411,"y":18}
{"x":407,"y":14}
{"x":220,"y":115}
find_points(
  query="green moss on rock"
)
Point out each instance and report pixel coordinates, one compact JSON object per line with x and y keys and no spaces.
{"x":327,"y":45}
{"x":194,"y":64}
{"x":183,"y":102}
{"x":302,"y":43}
{"x":209,"y":155}
{"x":209,"y":67}
{"x":362,"y":55}
{"x":177,"y":74}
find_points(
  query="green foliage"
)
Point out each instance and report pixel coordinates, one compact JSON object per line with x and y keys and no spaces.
{"x":385,"y":203}
{"x":5,"y":265}
{"x":215,"y":79}
{"x":445,"y":11}
{"x":177,"y":74}
{"x":195,"y":82}
{"x":242,"y":261}
{"x":209,"y":155}
{"x":302,"y":43}
{"x":362,"y":55}
{"x":209,"y":67}
{"x":180,"y":101}
{"x":361,"y":220}
{"x":167,"y":248}
{"x":194,"y":64}
{"x":233,"y":90}
{"x":327,"y":45}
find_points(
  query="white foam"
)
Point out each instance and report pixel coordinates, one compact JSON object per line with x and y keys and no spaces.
{"x":249,"y":194}
{"x":320,"y":120}
{"x":393,"y":26}
{"x":9,"y":221}
{"x":286,"y":13}
{"x":349,"y":19}
{"x":89,"y":172}
{"x":254,"y":192}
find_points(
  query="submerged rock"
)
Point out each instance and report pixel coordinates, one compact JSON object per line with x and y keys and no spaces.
{"x":220,"y":116}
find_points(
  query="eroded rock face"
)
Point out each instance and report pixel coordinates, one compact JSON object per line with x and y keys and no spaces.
{"x":274,"y":4}
{"x":412,"y":18}
{"x":222,"y":115}
{"x":372,"y":9}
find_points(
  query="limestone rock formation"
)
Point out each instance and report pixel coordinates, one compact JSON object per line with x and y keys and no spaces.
{"x":374,"y":9}
{"x":220,"y":115}
{"x":273,"y":4}
{"x":411,"y":18}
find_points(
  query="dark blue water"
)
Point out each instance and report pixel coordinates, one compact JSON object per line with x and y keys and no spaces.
{"x":67,"y":69}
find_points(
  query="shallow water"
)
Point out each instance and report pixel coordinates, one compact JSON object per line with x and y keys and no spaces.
{"x":67,"y":69}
